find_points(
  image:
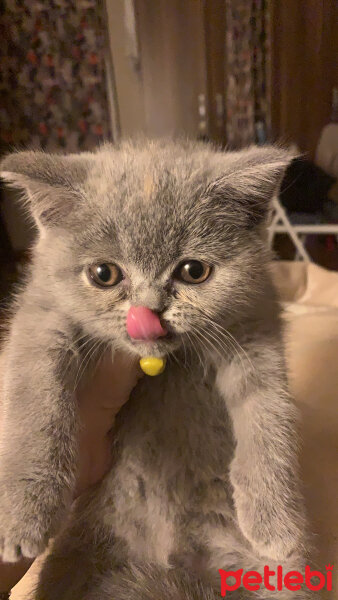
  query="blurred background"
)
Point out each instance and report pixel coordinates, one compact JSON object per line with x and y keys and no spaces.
{"x":74,"y":73}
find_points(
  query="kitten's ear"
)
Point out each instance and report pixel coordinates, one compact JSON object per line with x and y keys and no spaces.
{"x":251,"y":178}
{"x":50,"y":182}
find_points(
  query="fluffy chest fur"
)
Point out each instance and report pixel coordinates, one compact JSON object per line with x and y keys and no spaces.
{"x":173,"y":447}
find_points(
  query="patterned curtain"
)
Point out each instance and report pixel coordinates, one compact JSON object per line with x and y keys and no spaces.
{"x":247,"y":72}
{"x":52,"y":74}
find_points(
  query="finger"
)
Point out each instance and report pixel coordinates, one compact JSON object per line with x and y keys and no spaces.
{"x":99,"y":402}
{"x":126,"y":372}
{"x":111,"y":384}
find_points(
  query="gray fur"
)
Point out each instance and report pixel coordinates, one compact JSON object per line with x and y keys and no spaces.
{"x":190,"y":488}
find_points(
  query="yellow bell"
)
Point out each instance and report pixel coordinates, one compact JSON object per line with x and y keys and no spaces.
{"x":152,"y":365}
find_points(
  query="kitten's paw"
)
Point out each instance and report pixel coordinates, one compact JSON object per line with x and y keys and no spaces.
{"x":276,"y":549}
{"x":21,"y":543}
{"x":271,"y":534}
{"x":269,"y":516}
{"x":29,"y":517}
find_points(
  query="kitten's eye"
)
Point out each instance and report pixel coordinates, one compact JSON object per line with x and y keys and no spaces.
{"x":105,"y":274}
{"x":193,"y":271}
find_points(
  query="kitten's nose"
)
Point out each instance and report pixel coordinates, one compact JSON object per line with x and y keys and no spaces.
{"x":144,"y":324}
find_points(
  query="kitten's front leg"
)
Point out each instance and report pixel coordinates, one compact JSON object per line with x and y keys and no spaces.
{"x":38,"y":439}
{"x":264,"y":471}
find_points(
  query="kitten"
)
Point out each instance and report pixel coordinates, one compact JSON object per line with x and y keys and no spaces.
{"x":205,"y":471}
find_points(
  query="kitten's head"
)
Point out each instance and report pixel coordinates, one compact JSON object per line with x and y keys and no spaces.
{"x":173,"y":227}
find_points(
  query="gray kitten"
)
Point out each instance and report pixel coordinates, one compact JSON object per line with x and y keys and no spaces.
{"x":205,"y":471}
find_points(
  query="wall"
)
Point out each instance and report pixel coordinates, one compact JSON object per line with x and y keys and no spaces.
{"x":160,"y":71}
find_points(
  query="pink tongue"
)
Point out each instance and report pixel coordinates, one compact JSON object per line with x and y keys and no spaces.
{"x":144,"y":324}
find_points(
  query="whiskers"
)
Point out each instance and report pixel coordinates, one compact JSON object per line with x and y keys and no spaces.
{"x":210,"y":337}
{"x":186,"y":359}
{"x":91,"y":350}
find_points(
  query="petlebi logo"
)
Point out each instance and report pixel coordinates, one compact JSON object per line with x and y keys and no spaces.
{"x":275,"y":580}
